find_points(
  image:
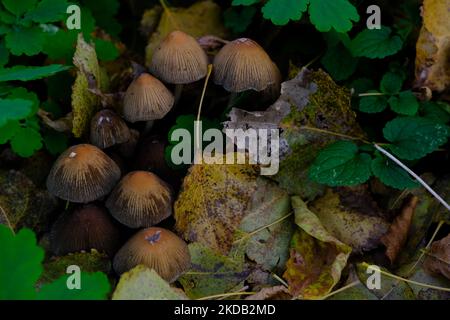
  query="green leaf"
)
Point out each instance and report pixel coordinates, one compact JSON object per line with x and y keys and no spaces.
{"x":141,"y":283}
{"x":104,"y":11}
{"x":391,"y":83}
{"x":244,"y":2}
{"x":20,"y":265}
{"x":7,"y":18}
{"x":414,"y":137}
{"x":391,"y":174}
{"x":339,"y":62}
{"x":373,"y":104}
{"x":55,"y":142}
{"x":22,"y":93}
{"x":362,"y":85}
{"x":281,"y":11}
{"x":405,"y":103}
{"x":60,"y":45}
{"x":27,"y":73}
{"x":4,"y":54}
{"x":14,"y":109}
{"x":48,"y":11}
{"x":106,"y":50}
{"x":8,"y":130}
{"x":19,"y":7}
{"x":26,"y":142}
{"x":339,"y":164}
{"x":238,"y":20}
{"x":94,"y":286}
{"x":337,"y":14}
{"x":376,"y":43}
{"x":436,"y":111}
{"x":28,"y":41}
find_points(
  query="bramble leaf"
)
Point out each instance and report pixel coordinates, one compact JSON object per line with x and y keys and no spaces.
{"x":48,"y":11}
{"x":339,"y":62}
{"x":27,"y":73}
{"x":405,"y":103}
{"x":373,"y":104}
{"x":391,"y":83}
{"x":391,"y":174}
{"x":376,"y":43}
{"x":340,"y":164}
{"x":338,"y":15}
{"x":281,"y":11}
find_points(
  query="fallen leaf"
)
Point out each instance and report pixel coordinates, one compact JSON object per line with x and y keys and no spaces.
{"x":349,"y":223}
{"x":395,"y":239}
{"x":271,"y":293}
{"x":213,"y":200}
{"x":317,"y":258}
{"x":433,"y":47}
{"x":438,"y":258}
{"x":212,"y":273}
{"x":141,"y":283}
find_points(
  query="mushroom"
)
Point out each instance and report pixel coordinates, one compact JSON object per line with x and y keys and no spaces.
{"x":146,"y":99}
{"x":179,"y":59}
{"x":82,"y":173}
{"x":108,"y":129}
{"x":156,"y":248}
{"x":243,"y":65}
{"x":87,"y":227}
{"x":141,"y":199}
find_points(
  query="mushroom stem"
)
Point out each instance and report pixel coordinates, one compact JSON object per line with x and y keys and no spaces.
{"x":178,"y":90}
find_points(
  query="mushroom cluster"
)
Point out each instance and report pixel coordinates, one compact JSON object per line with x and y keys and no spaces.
{"x":109,"y":198}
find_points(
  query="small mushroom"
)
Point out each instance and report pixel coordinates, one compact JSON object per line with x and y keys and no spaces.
{"x":243,"y":65}
{"x":179,"y":59}
{"x":146,"y":99}
{"x":108,"y":129}
{"x":87,"y":227}
{"x":141,"y":199}
{"x":128,"y":148}
{"x":82,"y":173}
{"x":156,"y":248}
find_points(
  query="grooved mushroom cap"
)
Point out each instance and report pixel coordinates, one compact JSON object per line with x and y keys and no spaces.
{"x":108,"y":129}
{"x":140,"y":199}
{"x":82,"y":173}
{"x":243,"y":65}
{"x":87,"y":227}
{"x":179,"y":59}
{"x":156,"y":248}
{"x":146,"y":99}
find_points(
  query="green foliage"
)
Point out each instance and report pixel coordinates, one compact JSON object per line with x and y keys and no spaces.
{"x":237,"y":19}
{"x":391,"y":174}
{"x":21,"y":267}
{"x":373,"y":103}
{"x":376,"y":43}
{"x":281,"y":11}
{"x":27,"y":73}
{"x":338,"y":60}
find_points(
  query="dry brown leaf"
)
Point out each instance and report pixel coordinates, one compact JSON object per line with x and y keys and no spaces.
{"x":395,"y":238}
{"x":271,"y":293}
{"x":438,"y":259}
{"x":433,"y":46}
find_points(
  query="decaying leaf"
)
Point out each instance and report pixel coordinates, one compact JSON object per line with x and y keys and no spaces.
{"x":426,"y":293}
{"x":349,"y":223}
{"x":22,"y":204}
{"x":396,"y":237}
{"x":271,"y":293}
{"x":212,"y":273}
{"x":202,"y":18}
{"x":269,"y":223}
{"x":141,"y":283}
{"x":311,"y":110}
{"x":212,"y":203}
{"x":438,"y":258}
{"x":433,"y":46}
{"x":317,"y":258}
{"x":89,"y":75}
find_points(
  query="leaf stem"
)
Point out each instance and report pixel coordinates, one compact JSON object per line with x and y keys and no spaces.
{"x":224,"y":295}
{"x":334,"y":134}
{"x":279,"y":279}
{"x":371,"y":94}
{"x":169,"y":14}
{"x":197,"y":128}
{"x":7,"y":220}
{"x":348,"y":286}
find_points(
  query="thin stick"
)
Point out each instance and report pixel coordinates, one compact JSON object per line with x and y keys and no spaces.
{"x":348,"y":286}
{"x":197,"y":128}
{"x":371,"y":94}
{"x":423,"y":183}
{"x":224,"y":295}
{"x":7,"y":220}
{"x":279,"y":279}
{"x":334,"y":134}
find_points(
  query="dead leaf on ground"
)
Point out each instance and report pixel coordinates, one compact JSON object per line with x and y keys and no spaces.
{"x":438,"y":258}
{"x":396,"y":237}
{"x":272,"y":293}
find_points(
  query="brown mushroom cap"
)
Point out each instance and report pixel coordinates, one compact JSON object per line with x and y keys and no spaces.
{"x":108,"y":129}
{"x":146,"y":99}
{"x":141,"y":199}
{"x":243,"y":65}
{"x":82,"y":173}
{"x":179,"y":59}
{"x":156,"y":248}
{"x":87,"y":227}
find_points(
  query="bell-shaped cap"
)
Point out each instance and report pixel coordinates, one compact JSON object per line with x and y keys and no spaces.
{"x":146,"y":99}
{"x":87,"y":227}
{"x":82,"y":173}
{"x":243,"y":65}
{"x":158,"y":249}
{"x":108,"y":129}
{"x":141,"y":199}
{"x":179,"y":59}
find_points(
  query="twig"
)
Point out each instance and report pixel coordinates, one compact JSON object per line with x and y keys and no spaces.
{"x":224,"y":295}
{"x":348,"y":286}
{"x":197,"y":128}
{"x":7,"y":219}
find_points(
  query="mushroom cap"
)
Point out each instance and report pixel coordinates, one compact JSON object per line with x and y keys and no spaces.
{"x":82,"y":173}
{"x":146,"y":99}
{"x":87,"y":227}
{"x":243,"y":65}
{"x":141,"y":199}
{"x":179,"y":59}
{"x":108,"y":129}
{"x":156,"y":248}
